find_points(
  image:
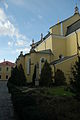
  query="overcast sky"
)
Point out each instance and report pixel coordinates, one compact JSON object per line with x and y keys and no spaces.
{"x":23,"y":20}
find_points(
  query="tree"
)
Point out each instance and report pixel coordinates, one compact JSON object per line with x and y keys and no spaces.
{"x":75,"y":79}
{"x":59,"y":78}
{"x":46,"y":75}
{"x":17,"y":76}
{"x":34,"y":76}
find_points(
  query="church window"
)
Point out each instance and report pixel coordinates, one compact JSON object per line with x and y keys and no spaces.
{"x":7,"y":69}
{"x":28,"y":66}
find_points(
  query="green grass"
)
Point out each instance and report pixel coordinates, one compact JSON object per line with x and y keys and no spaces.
{"x":57,"y":91}
{"x":54,"y":91}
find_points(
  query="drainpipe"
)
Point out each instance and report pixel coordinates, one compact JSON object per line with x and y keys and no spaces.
{"x":77,"y":43}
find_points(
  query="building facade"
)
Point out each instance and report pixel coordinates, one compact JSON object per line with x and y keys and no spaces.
{"x":60,"y":47}
{"x":5,"y":70}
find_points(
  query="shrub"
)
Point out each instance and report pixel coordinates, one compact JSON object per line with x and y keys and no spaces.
{"x":75,"y":79}
{"x":46,"y":75}
{"x":34,"y":76}
{"x":59,"y":78}
{"x":17,"y":76}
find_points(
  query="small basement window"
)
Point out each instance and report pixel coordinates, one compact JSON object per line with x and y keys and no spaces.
{"x":0,"y":76}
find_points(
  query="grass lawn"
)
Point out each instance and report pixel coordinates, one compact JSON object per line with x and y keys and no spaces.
{"x":55,"y":91}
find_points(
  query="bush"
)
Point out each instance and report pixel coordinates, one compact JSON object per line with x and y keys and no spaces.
{"x":75,"y":78}
{"x":34,"y":76}
{"x":17,"y":76}
{"x":46,"y":77}
{"x":59,"y":78}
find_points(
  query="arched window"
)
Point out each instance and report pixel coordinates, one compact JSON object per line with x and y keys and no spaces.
{"x":7,"y":68}
{"x":28,"y":66}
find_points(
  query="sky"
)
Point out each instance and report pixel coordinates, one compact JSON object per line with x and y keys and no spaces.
{"x":24,"y":20}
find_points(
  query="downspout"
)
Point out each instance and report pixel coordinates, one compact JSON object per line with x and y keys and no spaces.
{"x":77,"y":43}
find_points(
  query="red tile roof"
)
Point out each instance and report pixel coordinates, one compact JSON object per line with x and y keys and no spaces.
{"x":7,"y":63}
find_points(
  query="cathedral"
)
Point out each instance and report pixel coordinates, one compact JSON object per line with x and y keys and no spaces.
{"x":60,"y":47}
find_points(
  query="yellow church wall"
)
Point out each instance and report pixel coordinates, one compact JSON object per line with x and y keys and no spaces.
{"x":70,"y":21}
{"x":46,"y":44}
{"x":40,"y":46}
{"x":71,"y":44}
{"x":58,"y":46}
{"x":28,"y":76}
{"x":65,"y":66}
{"x":35,"y":58}
{"x":78,"y":33}
{"x":21,"y":61}
{"x":56,"y":29}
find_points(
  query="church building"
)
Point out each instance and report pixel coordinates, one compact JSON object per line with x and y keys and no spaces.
{"x":60,"y":47}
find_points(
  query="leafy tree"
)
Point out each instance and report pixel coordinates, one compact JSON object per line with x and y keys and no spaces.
{"x":75,"y":79}
{"x":46,"y":75}
{"x":17,"y":76}
{"x":59,"y":78}
{"x":34,"y":76}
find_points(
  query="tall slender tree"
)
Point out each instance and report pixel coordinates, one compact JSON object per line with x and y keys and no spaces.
{"x":59,"y":78}
{"x":34,"y":76}
{"x":17,"y":76}
{"x":46,"y":75}
{"x":75,"y":79}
